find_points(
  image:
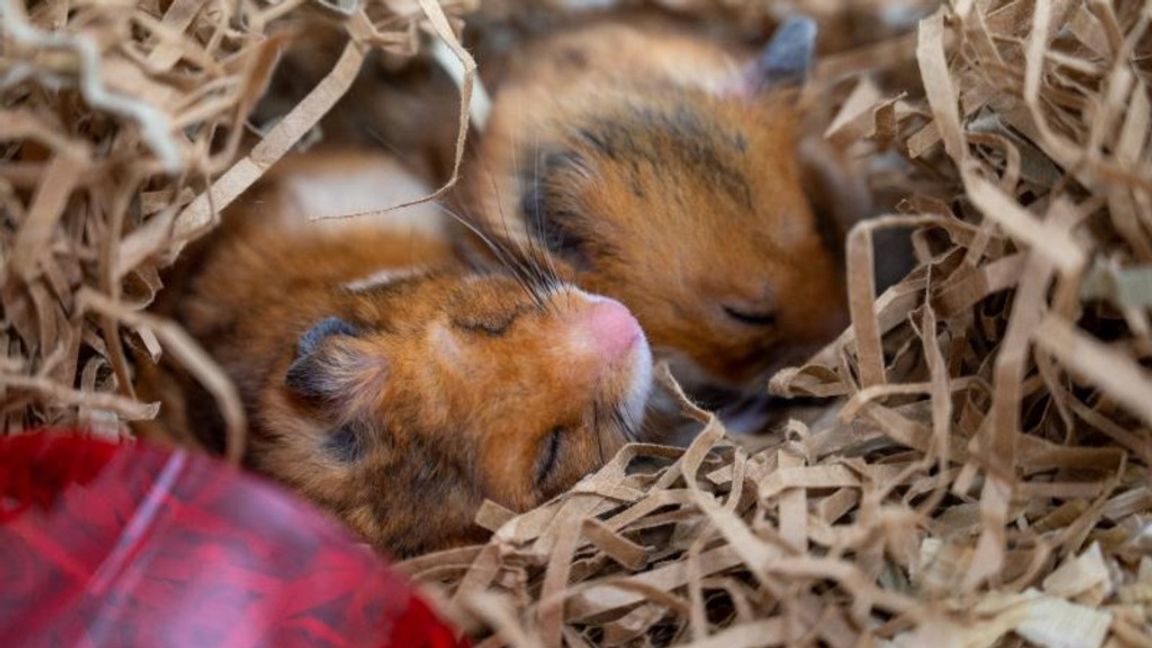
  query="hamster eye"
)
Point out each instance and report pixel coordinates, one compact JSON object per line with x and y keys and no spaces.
{"x":751,"y":318}
{"x":494,"y":327}
{"x":493,"y":324}
{"x":548,"y":454}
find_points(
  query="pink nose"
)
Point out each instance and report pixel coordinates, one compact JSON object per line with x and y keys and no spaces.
{"x":613,"y":329}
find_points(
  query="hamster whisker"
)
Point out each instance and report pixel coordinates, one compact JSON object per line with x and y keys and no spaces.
{"x":552,"y":273}
{"x":535,"y":257}
{"x":627,"y":426}
{"x":503,"y":255}
{"x":597,"y":418}
{"x":506,"y":254}
{"x":517,"y":251}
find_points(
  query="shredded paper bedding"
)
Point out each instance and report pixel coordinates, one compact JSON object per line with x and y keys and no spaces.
{"x":982,"y":474}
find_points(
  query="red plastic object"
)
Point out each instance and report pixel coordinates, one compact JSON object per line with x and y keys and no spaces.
{"x":105,"y":545}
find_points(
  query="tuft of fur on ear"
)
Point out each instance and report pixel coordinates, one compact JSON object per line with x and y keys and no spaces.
{"x":785,"y":60}
{"x":333,"y":363}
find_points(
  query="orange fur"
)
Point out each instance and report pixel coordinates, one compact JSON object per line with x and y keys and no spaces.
{"x":640,"y":158}
{"x":453,"y":388}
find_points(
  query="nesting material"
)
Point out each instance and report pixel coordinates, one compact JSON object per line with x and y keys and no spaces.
{"x":123,"y":133}
{"x":983,"y":477}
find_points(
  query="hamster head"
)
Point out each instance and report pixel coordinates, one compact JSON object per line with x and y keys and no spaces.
{"x":667,"y":174}
{"x":426,"y":395}
{"x":691,"y":211}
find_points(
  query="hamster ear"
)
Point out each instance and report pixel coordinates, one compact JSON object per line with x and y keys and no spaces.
{"x":333,"y":362}
{"x":786,"y":58}
{"x":322,"y":330}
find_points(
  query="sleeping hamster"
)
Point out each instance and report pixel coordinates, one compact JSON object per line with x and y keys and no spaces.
{"x":668,"y":172}
{"x":389,"y":382}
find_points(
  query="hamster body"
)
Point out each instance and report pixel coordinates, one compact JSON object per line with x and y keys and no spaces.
{"x":390,"y":383}
{"x":664,"y":171}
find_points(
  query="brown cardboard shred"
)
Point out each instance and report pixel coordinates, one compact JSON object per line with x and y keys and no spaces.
{"x":981,"y":475}
{"x":108,"y":206}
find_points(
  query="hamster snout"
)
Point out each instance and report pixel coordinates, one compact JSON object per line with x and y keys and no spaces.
{"x":603,"y":342}
{"x":606,"y":329}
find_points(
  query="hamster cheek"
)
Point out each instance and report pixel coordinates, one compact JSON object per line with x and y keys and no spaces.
{"x":444,"y":345}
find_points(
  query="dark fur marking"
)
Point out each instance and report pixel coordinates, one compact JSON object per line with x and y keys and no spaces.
{"x":309,"y":378}
{"x":679,"y":137}
{"x":546,"y":223}
{"x":564,"y":161}
{"x":431,"y":475}
{"x":702,"y":153}
{"x":345,"y":444}
{"x":600,"y":141}
{"x":549,"y":453}
{"x":554,"y":225}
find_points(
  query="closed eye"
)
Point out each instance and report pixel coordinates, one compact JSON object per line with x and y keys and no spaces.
{"x":491,"y":324}
{"x":751,"y":318}
{"x":494,"y":327}
{"x":549,"y":453}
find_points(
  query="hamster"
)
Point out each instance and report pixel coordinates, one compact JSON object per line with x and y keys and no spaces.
{"x":669,"y":172}
{"x":390,"y":382}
